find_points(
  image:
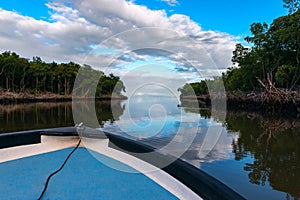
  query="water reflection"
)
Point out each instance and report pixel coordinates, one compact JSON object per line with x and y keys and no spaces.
{"x":257,"y":155}
{"x":18,"y":117}
{"x":264,"y":148}
{"x":274,"y":144}
{"x":159,"y":121}
{"x":197,"y":107}
{"x":95,"y":114}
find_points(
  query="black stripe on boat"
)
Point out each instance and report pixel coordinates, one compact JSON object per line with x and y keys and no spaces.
{"x":206,"y":186}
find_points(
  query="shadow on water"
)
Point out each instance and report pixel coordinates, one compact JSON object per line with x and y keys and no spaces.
{"x":274,"y":143}
{"x":269,"y":147}
{"x":19,"y":117}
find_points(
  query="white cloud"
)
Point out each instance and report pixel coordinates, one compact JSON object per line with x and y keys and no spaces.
{"x":61,"y":40}
{"x":120,"y":15}
{"x":76,"y":27}
{"x":73,"y":29}
{"x":184,"y":24}
{"x":171,"y":2}
{"x":221,"y":151}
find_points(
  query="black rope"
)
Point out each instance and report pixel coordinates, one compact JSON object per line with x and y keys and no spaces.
{"x":61,"y":167}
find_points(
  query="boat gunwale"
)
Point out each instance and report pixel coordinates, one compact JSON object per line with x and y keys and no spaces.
{"x":204,"y":185}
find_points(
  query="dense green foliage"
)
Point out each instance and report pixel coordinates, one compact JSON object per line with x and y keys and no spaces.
{"x":21,"y":75}
{"x":194,"y":89}
{"x":203,"y":87}
{"x":292,"y":5}
{"x":274,"y":53}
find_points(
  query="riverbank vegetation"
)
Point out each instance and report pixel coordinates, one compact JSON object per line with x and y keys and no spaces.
{"x":267,"y":74}
{"x":37,"y":80}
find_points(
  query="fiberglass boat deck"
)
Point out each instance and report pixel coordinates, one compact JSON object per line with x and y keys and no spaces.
{"x":27,"y":158}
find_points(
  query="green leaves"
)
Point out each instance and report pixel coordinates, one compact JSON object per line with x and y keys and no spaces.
{"x":259,"y":37}
{"x":287,"y":76}
{"x":20,"y":74}
{"x":275,"y":51}
{"x":12,"y":71}
{"x":292,"y":5}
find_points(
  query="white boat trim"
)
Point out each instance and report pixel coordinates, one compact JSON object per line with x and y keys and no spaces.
{"x":48,"y":144}
{"x":54,"y":143}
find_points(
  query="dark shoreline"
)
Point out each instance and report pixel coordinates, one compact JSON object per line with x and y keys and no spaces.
{"x":15,"y":98}
{"x":237,"y":101}
{"x":254,"y":102}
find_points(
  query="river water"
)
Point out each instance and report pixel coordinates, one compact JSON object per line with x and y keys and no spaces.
{"x":258,"y":156}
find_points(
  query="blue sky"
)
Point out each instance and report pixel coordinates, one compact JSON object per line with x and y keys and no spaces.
{"x":231,"y":16}
{"x":33,"y":8}
{"x":199,"y":35}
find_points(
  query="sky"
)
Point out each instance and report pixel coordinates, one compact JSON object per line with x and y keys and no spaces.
{"x":189,"y":38}
{"x":233,"y":17}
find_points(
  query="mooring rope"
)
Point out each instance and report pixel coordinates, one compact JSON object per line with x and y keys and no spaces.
{"x":61,"y":167}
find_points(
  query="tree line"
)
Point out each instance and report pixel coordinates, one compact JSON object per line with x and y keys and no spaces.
{"x":36,"y":76}
{"x":273,"y":58}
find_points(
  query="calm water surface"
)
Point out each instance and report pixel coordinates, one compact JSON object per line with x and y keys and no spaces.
{"x":257,"y":156}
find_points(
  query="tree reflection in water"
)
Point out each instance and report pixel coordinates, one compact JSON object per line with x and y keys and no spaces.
{"x":272,"y":141}
{"x":18,"y":117}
